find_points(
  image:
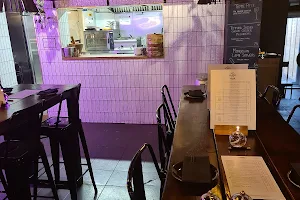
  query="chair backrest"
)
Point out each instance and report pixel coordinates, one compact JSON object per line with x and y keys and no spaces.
{"x":26,"y":123}
{"x":164,"y":147}
{"x":135,"y":181}
{"x":276,"y":95}
{"x":167,"y":99}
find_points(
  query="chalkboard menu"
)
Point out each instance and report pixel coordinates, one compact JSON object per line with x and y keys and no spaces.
{"x":242,"y":32}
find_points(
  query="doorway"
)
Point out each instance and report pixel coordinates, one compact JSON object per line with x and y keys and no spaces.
{"x":291,"y":73}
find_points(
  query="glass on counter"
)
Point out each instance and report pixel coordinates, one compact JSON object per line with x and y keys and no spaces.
{"x":237,"y":139}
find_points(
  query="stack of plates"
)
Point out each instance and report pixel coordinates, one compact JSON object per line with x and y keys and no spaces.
{"x":155,"y":45}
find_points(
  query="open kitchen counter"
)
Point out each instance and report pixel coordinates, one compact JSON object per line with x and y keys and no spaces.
{"x":106,"y":56}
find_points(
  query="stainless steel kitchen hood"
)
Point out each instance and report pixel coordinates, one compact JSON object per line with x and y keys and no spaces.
{"x":127,"y":9}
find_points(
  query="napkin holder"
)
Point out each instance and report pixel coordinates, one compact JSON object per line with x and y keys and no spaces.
{"x":196,"y":169}
{"x":228,"y":129}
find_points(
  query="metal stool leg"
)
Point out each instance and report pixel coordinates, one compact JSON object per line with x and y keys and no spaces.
{"x":87,"y":155}
{"x":54,"y":143}
{"x":48,"y":172}
{"x":35,"y":178}
{"x":3,"y":181}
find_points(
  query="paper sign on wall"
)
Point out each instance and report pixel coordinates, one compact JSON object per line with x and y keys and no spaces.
{"x":233,"y":98}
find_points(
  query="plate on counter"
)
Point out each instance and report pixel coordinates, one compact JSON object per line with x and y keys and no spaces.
{"x":178,"y":168}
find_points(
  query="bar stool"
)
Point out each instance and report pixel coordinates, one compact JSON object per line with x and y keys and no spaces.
{"x":18,"y":155}
{"x":165,"y":138}
{"x":167,"y":100}
{"x":276,"y":98}
{"x":57,"y":129}
{"x":135,"y":182}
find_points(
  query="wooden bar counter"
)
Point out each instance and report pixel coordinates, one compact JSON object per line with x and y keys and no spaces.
{"x":275,"y":140}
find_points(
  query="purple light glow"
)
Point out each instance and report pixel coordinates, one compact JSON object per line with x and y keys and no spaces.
{"x":150,"y":22}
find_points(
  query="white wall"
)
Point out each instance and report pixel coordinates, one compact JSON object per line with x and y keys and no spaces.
{"x":7,"y":66}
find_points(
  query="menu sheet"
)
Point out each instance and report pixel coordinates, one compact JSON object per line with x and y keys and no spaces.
{"x":220,"y":66}
{"x":233,"y":98}
{"x":251,"y":175}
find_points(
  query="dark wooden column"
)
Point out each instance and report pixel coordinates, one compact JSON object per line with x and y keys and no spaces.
{"x":273,"y":25}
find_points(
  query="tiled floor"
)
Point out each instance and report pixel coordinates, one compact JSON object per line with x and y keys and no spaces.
{"x":111,"y":147}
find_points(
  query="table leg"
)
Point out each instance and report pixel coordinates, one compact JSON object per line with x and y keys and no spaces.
{"x":18,"y":182}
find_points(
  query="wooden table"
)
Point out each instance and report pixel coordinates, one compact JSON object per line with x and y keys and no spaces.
{"x":274,"y":140}
{"x":70,"y":94}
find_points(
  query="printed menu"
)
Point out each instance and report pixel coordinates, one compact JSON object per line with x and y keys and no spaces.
{"x":233,"y":98}
{"x":220,"y":66}
{"x":251,"y":175}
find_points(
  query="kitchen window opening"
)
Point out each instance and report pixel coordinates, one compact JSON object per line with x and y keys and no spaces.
{"x":134,"y":31}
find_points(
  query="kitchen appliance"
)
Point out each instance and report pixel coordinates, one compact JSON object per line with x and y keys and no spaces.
{"x":125,"y":46}
{"x":100,"y":41}
{"x":110,"y":40}
{"x":138,"y":51}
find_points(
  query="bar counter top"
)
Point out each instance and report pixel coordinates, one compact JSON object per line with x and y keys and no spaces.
{"x":275,"y":140}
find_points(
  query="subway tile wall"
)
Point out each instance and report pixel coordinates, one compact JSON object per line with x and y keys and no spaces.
{"x":7,"y":66}
{"x":128,"y":91}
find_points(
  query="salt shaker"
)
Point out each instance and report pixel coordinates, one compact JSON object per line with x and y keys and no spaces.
{"x":241,"y":196}
{"x":209,"y":196}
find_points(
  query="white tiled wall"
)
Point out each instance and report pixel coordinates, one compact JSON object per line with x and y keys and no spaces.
{"x":7,"y":67}
{"x":128,"y":91}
